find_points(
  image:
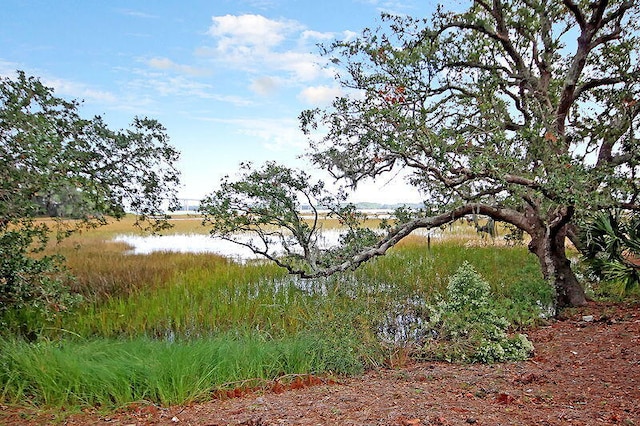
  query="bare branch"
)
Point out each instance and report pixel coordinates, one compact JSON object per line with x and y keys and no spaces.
{"x":599,"y":8}
{"x":578,"y":62}
{"x":585,"y":45}
{"x":614,"y":35}
{"x":618,"y":127}
{"x":479,"y":65}
{"x":505,"y":41}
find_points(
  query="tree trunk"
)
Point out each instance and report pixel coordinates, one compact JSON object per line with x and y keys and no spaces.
{"x":569,"y":292}
{"x":556,"y":268}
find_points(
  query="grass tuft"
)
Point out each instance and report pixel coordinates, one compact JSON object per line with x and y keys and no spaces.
{"x":112,"y":373}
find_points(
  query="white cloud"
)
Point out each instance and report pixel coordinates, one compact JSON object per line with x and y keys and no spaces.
{"x":165,"y":86}
{"x":302,"y":66}
{"x":260,"y":4}
{"x":316,"y":35}
{"x":8,"y":69}
{"x":394,"y":7}
{"x":275,"y":137}
{"x":168,"y":65}
{"x":390,"y":190}
{"x":349,"y":35}
{"x":259,"y":45}
{"x":137,"y":14}
{"x":255,"y":31}
{"x":79,"y":91}
{"x":265,"y":85}
{"x":319,"y":95}
{"x":278,"y":135}
{"x":162,"y":63}
{"x":180,"y":86}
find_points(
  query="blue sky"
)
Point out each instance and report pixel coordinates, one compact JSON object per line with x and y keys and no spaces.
{"x":227,"y":78}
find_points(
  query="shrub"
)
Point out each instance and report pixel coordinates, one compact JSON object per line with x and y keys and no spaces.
{"x":466,"y":326}
{"x":34,"y":289}
{"x":612,"y":250}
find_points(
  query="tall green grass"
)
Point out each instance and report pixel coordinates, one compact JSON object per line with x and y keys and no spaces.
{"x":209,"y":298}
{"x":197,"y":302}
{"x":112,"y":373}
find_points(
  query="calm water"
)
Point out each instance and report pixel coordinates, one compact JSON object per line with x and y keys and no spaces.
{"x":202,"y":243}
{"x":199,"y":243}
{"x":185,"y":243}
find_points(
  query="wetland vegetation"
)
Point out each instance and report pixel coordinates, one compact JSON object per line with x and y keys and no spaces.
{"x":172,"y":328}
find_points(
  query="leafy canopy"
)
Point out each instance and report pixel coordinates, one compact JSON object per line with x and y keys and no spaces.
{"x":524,"y":111}
{"x":49,"y":154}
{"x":501,"y":102}
{"x":48,"y":148}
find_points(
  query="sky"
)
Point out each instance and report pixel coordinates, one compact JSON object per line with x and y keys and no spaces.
{"x":227,"y":78}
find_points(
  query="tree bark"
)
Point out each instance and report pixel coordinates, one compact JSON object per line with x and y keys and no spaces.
{"x":556,"y":268}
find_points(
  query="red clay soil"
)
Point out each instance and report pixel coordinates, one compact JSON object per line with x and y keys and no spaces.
{"x":586,"y":371}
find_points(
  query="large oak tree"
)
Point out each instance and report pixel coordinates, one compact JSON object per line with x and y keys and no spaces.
{"x":521,"y":110}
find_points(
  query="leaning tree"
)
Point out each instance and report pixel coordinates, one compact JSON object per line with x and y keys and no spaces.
{"x":521,"y":110}
{"x":48,"y":151}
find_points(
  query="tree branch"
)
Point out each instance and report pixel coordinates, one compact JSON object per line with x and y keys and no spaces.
{"x":394,"y":236}
{"x":585,"y":45}
{"x":596,"y":82}
{"x":618,"y":13}
{"x":577,"y":13}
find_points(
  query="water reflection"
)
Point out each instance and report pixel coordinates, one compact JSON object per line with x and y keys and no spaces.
{"x":185,"y":243}
{"x":202,"y":243}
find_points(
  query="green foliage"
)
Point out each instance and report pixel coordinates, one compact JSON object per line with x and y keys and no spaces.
{"x":53,"y":161}
{"x":262,"y":210}
{"x":490,"y":109}
{"x":49,"y":149}
{"x":198,"y":323}
{"x":612,"y":249}
{"x":195,"y":295}
{"x":466,"y":326}
{"x":472,"y":111}
{"x":34,"y":290}
{"x":529,"y":299}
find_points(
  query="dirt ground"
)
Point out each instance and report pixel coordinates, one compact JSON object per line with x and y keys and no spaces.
{"x":586,"y":371}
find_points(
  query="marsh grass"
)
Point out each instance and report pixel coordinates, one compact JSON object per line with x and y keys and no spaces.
{"x":195,"y":302}
{"x":112,"y":373}
{"x":173,"y":327}
{"x":168,"y":294}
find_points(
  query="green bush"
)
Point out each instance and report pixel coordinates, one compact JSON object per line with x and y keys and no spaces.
{"x":466,"y":326}
{"x":611,"y":251}
{"x":54,"y":161}
{"x":34,"y":289}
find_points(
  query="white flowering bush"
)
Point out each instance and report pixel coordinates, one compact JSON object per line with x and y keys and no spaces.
{"x":465,"y":327}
